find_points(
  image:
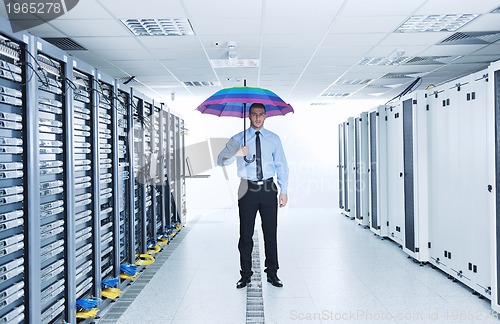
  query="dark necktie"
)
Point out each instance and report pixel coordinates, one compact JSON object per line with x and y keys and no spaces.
{"x":258,"y":159}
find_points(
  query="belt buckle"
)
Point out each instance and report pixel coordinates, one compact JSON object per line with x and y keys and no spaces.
{"x":260,"y":182}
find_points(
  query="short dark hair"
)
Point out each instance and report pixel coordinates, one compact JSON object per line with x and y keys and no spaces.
{"x":257,"y":105}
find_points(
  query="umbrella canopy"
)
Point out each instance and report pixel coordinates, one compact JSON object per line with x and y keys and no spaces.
{"x":233,"y":101}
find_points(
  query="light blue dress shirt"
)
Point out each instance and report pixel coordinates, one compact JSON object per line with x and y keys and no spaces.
{"x":273,"y":157}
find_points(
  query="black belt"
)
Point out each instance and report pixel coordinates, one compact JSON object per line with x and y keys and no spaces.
{"x":259,"y":182}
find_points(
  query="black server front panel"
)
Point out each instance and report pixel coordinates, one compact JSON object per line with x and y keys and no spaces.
{"x":124,"y":171}
{"x":107,"y":210}
{"x":84,"y":161}
{"x":54,"y":206}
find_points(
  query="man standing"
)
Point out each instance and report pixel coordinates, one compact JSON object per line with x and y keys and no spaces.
{"x":257,"y":190}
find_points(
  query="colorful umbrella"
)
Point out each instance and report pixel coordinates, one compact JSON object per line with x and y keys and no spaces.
{"x":233,"y":102}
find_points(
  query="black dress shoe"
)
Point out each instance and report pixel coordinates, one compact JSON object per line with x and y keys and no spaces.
{"x":243,"y":282}
{"x":275,"y":281}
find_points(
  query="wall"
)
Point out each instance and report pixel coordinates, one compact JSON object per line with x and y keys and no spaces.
{"x":309,"y":137}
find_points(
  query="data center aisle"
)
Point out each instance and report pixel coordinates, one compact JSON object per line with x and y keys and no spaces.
{"x":332,"y":270}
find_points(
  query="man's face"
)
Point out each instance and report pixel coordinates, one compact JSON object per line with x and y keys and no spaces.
{"x":257,"y":117}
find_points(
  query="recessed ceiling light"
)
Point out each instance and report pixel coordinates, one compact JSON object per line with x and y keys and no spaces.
{"x":159,"y":27}
{"x":435,"y":23}
{"x":336,"y":95}
{"x":235,"y":63}
{"x":353,"y":82}
{"x":382,"y":60}
{"x":322,"y":103}
{"x":201,"y":83}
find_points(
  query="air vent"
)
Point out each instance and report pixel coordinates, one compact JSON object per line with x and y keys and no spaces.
{"x":472,"y":38}
{"x":236,"y":63}
{"x":201,"y":84}
{"x":429,"y":60}
{"x":65,"y":43}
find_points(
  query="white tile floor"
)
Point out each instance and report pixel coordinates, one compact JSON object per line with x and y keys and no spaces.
{"x":332,"y":269}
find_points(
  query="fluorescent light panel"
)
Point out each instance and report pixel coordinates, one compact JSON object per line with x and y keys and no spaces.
{"x":235,"y":63}
{"x":159,"y":27}
{"x":435,"y":23}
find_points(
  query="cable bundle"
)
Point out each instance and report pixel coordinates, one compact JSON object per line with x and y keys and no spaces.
{"x":87,"y":307}
{"x":111,"y":293}
{"x":128,"y":271}
{"x":144,"y":260}
{"x":109,"y":283}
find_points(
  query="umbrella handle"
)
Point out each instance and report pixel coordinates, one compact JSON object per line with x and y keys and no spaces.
{"x":249,"y":161}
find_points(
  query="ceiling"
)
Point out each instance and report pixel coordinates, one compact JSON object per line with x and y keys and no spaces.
{"x":308,"y":51}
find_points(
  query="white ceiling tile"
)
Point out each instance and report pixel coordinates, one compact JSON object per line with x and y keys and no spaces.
{"x":493,"y":49}
{"x":284,"y":61}
{"x":477,"y":59}
{"x":357,"y":8}
{"x":91,"y":27}
{"x":368,"y":25}
{"x":91,"y":10}
{"x":334,"y":52}
{"x":138,"y":64}
{"x":184,"y":63}
{"x":307,"y":40}
{"x":384,"y":51}
{"x":170,"y":42}
{"x":129,"y":9}
{"x":135,"y":54}
{"x":490,"y":22}
{"x":456,"y":7}
{"x":410,"y":39}
{"x":224,"y":8}
{"x":226,"y":26}
{"x":348,"y":40}
{"x":316,"y":8}
{"x":295,"y":26}
{"x":174,"y":53}
{"x":288,"y":52}
{"x":107,"y":43}
{"x":450,"y":50}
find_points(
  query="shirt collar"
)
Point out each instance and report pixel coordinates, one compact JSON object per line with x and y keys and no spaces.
{"x":253,"y":130}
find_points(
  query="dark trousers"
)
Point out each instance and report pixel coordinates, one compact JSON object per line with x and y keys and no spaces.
{"x":262,"y":198}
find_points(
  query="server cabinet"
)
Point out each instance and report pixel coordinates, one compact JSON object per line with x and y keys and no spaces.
{"x":494,"y":176}
{"x":361,"y":161}
{"x":57,"y":234}
{"x":458,"y":181}
{"x":139,"y":126}
{"x":109,"y":210}
{"x":156,"y":184}
{"x":377,"y":170}
{"x":340,"y":166}
{"x":350,"y":174}
{"x":15,"y":256}
{"x":164,"y":163}
{"x":125,"y":185}
{"x":407,"y":175}
{"x":86,"y":186}
{"x":395,"y":168}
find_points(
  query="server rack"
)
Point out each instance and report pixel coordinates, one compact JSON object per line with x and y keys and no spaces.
{"x":86,"y":187}
{"x":458,"y":181}
{"x":164,"y":188}
{"x":108,"y":193}
{"x":493,"y":174}
{"x":56,"y":190}
{"x":125,"y":176}
{"x":156,"y":155}
{"x":361,"y":158}
{"x":377,"y":184}
{"x":395,"y":167}
{"x":139,"y":124}
{"x":15,"y":227}
{"x":350,"y":200}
